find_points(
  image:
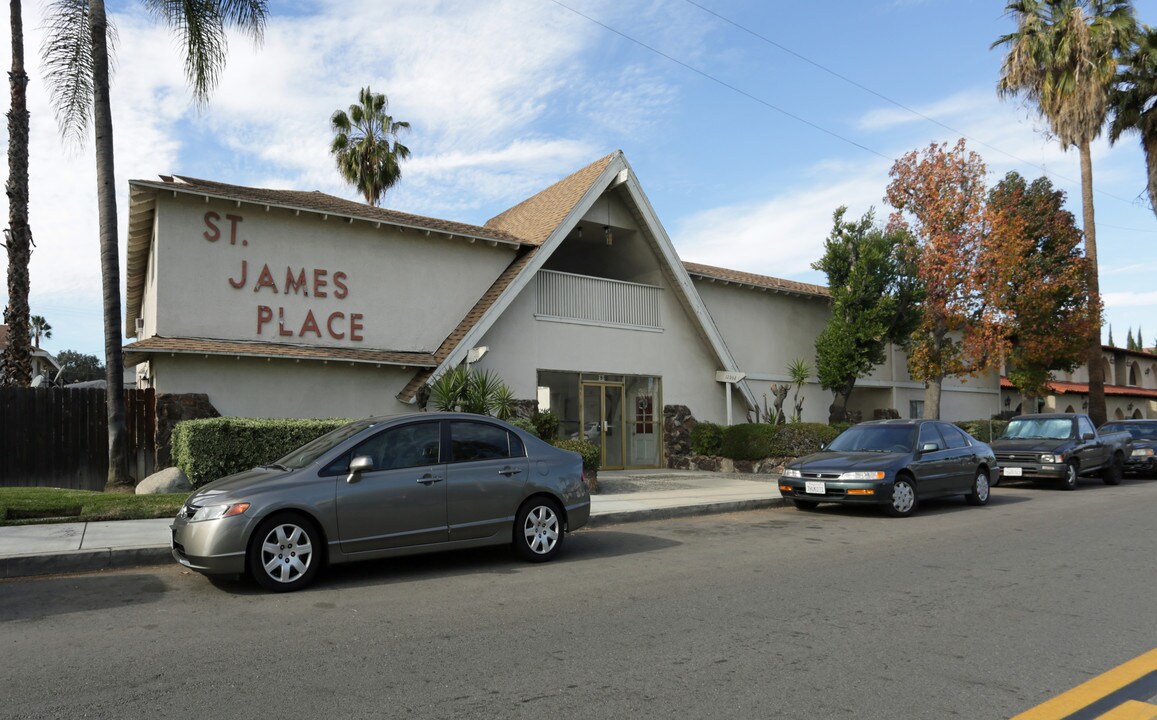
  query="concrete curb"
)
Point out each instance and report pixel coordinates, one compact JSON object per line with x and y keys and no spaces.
{"x":617,"y":518}
{"x":75,"y":561}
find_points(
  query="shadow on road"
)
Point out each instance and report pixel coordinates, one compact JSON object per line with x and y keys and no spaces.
{"x":37,"y":598}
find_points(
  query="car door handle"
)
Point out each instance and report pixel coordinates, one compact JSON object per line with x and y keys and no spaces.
{"x":509,"y":471}
{"x":428,"y":479}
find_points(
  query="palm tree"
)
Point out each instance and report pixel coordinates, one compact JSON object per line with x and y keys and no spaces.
{"x":366,"y":146}
{"x":76,"y":55}
{"x":40,"y":328}
{"x":1132,"y":103}
{"x":1063,"y":59}
{"x":17,"y":357}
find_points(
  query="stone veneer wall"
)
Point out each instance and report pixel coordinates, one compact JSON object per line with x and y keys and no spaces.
{"x":677,"y":425}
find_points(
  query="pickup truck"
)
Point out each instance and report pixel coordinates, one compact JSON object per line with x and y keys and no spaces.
{"x":1061,"y":447}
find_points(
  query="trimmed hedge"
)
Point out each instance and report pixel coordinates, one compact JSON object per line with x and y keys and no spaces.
{"x":706,"y":438}
{"x":209,"y":449}
{"x":979,"y":429}
{"x":588,"y":450}
{"x":755,"y":441}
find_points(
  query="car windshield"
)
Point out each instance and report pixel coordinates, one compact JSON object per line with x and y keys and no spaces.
{"x":312,"y":450}
{"x":1039,"y":429}
{"x":875,"y":438}
{"x":1139,"y":432}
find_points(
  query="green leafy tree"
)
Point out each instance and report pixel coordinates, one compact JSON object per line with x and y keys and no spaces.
{"x":76,"y":55}
{"x":1130,"y":343}
{"x":365,"y":144}
{"x":16,"y":360}
{"x":873,"y":289}
{"x":39,"y":328}
{"x":1038,"y":278}
{"x":1063,"y":58}
{"x":1133,"y":101}
{"x":79,"y":367}
{"x":1111,"y":343}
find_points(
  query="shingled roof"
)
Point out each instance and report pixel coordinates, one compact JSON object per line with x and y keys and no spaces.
{"x":137,"y":352}
{"x":535,"y":218}
{"x":759,"y":282}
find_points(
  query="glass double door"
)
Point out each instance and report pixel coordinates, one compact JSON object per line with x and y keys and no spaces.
{"x":603,"y":421}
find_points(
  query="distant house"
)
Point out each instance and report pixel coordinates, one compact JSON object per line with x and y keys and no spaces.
{"x":1130,"y":387}
{"x":43,"y":363}
{"x":282,"y":303}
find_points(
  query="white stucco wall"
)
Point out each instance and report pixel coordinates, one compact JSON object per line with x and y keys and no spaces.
{"x":365,"y":287}
{"x":248,"y":387}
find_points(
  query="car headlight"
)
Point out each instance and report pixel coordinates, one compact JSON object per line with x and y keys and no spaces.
{"x":1143,"y":452}
{"x":863,"y":475}
{"x":1058,"y":458}
{"x":214,"y":512}
{"x":792,"y":473}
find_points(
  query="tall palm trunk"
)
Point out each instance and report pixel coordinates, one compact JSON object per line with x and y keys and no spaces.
{"x":17,"y":360}
{"x":118,"y":478}
{"x":1097,"y":411}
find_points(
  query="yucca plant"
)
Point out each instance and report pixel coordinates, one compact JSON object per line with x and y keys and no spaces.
{"x":481,"y":393}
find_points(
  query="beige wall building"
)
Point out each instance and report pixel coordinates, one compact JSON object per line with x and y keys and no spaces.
{"x":299,"y":304}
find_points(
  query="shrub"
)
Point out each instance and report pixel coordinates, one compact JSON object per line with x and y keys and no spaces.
{"x":546,"y":425}
{"x":980,"y":429}
{"x":525,"y":424}
{"x":588,"y":450}
{"x":755,"y":441}
{"x":209,"y":449}
{"x":706,"y":438}
{"x":749,"y":441}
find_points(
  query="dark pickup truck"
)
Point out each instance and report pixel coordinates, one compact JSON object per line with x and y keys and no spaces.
{"x":1062,"y":447}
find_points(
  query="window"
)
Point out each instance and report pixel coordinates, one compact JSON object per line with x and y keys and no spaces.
{"x":396,"y":448}
{"x":644,"y":415}
{"x":477,"y":441}
{"x":953,"y":436}
{"x":929,"y":434}
{"x":1084,"y":425}
{"x":915,"y":409}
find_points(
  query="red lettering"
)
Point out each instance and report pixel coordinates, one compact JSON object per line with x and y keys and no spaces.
{"x":266,"y":280}
{"x":281,"y":323}
{"x":264,"y":315}
{"x":329,"y":325}
{"x":241,"y":283}
{"x":355,"y":326}
{"x":319,"y":282}
{"x":310,"y":325}
{"x":233,"y":220}
{"x":343,"y":291}
{"x":296,"y":284}
{"x":213,"y":234}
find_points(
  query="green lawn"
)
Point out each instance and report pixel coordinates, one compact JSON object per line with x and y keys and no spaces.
{"x":28,"y":506}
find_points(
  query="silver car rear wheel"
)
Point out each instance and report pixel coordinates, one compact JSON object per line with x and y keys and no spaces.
{"x":282,"y":555}
{"x":538,"y":530}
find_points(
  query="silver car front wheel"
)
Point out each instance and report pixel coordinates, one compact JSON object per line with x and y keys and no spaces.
{"x":282,"y":556}
{"x":903,"y":498}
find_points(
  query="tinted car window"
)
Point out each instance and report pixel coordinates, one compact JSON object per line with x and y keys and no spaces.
{"x":929,"y":434}
{"x":1084,"y":425}
{"x":1137,"y":430}
{"x":477,"y":441}
{"x":874,"y":438}
{"x":952,"y":435}
{"x":400,"y":447}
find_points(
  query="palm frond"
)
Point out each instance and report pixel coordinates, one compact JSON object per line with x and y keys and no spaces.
{"x":66,"y":52}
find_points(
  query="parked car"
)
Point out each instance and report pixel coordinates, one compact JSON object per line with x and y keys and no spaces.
{"x":893,"y":463}
{"x":384,"y":487}
{"x":1143,"y":459}
{"x":1061,"y":447}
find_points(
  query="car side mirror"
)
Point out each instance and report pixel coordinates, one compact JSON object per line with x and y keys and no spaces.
{"x":929,"y":447}
{"x":359,"y":465}
{"x":1087,"y":436}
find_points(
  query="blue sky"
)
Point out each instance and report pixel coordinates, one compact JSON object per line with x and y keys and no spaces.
{"x":747,"y":123}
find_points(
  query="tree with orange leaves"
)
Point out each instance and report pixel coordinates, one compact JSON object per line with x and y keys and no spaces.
{"x":939,"y":197}
{"x":1039,"y":279}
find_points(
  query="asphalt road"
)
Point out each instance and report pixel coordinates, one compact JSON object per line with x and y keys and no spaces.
{"x":841,"y":613}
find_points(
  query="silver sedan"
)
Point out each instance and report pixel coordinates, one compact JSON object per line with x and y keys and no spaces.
{"x":384,"y":487}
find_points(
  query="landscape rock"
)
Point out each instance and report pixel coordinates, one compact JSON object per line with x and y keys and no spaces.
{"x":169,"y":480}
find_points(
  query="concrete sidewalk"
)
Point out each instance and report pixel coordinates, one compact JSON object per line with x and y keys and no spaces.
{"x":626,"y":497}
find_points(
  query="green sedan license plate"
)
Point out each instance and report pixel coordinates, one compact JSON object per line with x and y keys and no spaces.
{"x":815,"y":487}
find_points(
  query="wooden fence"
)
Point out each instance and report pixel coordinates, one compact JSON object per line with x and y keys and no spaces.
{"x":58,"y":437}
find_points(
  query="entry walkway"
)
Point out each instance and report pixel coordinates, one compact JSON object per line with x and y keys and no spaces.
{"x":627,"y":496}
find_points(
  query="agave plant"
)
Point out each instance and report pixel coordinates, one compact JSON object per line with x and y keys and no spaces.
{"x":482,"y":393}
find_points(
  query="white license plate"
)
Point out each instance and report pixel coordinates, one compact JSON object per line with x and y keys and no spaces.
{"x":1012,"y":472}
{"x":815,"y":487}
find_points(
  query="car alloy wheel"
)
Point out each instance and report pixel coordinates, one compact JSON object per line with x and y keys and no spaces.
{"x":282,"y":555}
{"x":980,"y":489}
{"x":539,"y":530}
{"x":903,"y":498}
